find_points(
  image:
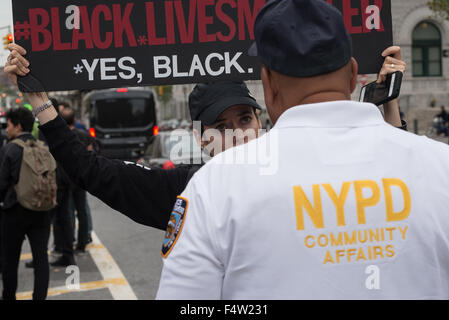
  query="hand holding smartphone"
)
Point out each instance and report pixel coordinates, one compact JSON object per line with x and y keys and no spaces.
{"x":381,"y":93}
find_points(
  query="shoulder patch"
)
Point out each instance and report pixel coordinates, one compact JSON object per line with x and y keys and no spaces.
{"x":174,"y":226}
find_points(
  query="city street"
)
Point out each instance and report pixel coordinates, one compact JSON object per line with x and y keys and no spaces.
{"x":123,"y":262}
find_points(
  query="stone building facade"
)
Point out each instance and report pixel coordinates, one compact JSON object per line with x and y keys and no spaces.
{"x":420,"y":47}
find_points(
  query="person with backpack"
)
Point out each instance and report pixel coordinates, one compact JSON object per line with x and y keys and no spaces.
{"x":28,"y":193}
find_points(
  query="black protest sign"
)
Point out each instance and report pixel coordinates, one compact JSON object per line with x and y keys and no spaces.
{"x":94,"y":44}
{"x":370,"y":24}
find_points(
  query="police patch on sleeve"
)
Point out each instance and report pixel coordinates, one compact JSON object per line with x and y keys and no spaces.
{"x":174,"y":226}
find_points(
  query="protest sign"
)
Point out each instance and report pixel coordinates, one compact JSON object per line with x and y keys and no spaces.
{"x":75,"y":44}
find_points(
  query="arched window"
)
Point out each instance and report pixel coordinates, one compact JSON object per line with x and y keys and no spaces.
{"x":426,"y":50}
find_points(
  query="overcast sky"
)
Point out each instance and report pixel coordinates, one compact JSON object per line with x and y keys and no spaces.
{"x":5,"y":20}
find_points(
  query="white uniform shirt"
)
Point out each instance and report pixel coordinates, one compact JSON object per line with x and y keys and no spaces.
{"x":355,"y":209}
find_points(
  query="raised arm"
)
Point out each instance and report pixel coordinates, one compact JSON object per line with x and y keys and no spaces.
{"x":393,"y":62}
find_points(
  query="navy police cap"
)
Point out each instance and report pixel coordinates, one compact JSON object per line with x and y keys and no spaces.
{"x":301,"y":38}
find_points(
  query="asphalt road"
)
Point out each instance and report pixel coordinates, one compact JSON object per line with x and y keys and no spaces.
{"x":135,"y":248}
{"x":123,"y":262}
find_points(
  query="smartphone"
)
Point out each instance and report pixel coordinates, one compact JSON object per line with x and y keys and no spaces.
{"x":380,"y":93}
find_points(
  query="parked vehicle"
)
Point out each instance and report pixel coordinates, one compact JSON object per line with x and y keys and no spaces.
{"x":171,"y":149}
{"x":122,"y":120}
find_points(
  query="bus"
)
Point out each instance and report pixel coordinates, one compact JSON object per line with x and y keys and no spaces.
{"x":122,"y":120}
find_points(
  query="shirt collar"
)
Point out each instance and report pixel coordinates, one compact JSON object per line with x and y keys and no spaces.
{"x":335,"y":114}
{"x":23,"y":133}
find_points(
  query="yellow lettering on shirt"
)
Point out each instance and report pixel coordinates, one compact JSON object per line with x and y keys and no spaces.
{"x":307,"y":243}
{"x":363,"y":202}
{"x":315,"y":212}
{"x":328,"y":258}
{"x":339,"y":254}
{"x":378,"y":252}
{"x":350,"y":253}
{"x":352,"y":239}
{"x":390,"y":230}
{"x":338,"y":241}
{"x":403,"y":231}
{"x":350,"y":244}
{"x":390,"y":251}
{"x":374,"y":235}
{"x":360,"y":255}
{"x":401,"y":215}
{"x":364,"y":238}
{"x":323,"y":240}
{"x":339,"y":200}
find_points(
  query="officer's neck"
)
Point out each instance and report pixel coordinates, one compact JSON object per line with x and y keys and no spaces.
{"x":322,"y":97}
{"x":290,"y":101}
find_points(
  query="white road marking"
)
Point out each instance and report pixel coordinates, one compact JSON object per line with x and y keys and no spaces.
{"x":113,"y":278}
{"x":110,"y":271}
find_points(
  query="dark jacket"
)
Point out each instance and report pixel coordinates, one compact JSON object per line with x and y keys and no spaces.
{"x":145,"y":195}
{"x":10,"y":163}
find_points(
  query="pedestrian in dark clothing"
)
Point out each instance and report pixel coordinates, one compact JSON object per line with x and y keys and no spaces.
{"x":18,"y":221}
{"x":443,"y":114}
{"x":62,"y":223}
{"x":61,"y":219}
{"x":3,"y":141}
{"x":444,"y":119}
{"x":79,"y":195}
{"x":1,"y":242}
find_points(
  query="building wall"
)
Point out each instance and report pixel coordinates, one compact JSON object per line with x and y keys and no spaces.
{"x":418,"y":92}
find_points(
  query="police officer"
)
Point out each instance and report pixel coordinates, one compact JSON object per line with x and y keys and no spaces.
{"x":354,"y":205}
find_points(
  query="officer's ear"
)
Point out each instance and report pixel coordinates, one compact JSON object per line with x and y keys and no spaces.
{"x":269,"y":89}
{"x":354,"y":74}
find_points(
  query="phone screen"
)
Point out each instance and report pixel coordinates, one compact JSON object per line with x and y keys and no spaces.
{"x":378,"y":92}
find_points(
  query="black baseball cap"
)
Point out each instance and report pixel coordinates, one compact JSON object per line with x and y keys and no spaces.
{"x":209,"y":100}
{"x":301,"y":38}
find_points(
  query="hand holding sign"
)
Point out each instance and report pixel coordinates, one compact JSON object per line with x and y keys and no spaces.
{"x":16,"y":64}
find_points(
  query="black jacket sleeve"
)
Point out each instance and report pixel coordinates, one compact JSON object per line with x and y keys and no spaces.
{"x":404,"y":125}
{"x":145,"y":195}
{"x":10,"y":163}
